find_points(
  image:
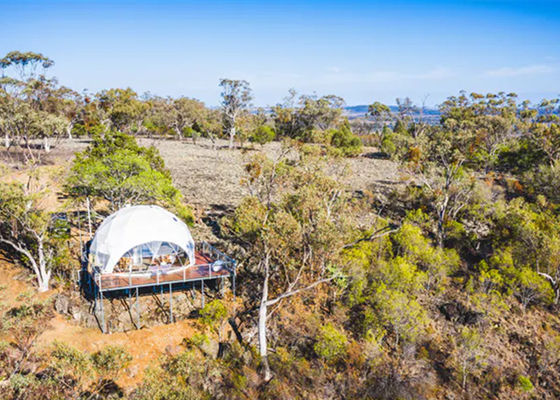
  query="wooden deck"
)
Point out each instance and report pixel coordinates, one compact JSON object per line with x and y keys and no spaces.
{"x":200,"y":271}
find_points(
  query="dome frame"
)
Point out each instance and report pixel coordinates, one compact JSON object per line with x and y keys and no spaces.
{"x":134,"y":226}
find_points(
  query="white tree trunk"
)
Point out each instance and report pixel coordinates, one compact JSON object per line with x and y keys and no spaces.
{"x":179,"y":133}
{"x":39,"y":268}
{"x":43,"y":276}
{"x":46,"y":144}
{"x":6,"y":140}
{"x":231,"y":136}
{"x":69,"y":130}
{"x":263,"y":345}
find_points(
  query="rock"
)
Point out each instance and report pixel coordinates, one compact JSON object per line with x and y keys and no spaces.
{"x":75,"y":311}
{"x":247,"y":357}
{"x":211,"y":348}
{"x":61,"y":304}
{"x":173,"y":350}
{"x":457,"y":312}
{"x":225,"y":349}
{"x":89,"y":321}
{"x":132,"y":371}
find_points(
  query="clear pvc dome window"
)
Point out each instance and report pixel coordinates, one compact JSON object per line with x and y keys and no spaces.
{"x":152,"y":255}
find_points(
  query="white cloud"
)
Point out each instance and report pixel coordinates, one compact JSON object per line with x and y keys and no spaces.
{"x":528,"y":70}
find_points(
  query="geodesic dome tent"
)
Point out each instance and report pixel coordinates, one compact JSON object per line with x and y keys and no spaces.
{"x":141,"y":236}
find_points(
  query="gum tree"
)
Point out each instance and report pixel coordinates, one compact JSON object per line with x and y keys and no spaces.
{"x":236,"y":97}
{"x":295,"y":224}
{"x":26,"y":229}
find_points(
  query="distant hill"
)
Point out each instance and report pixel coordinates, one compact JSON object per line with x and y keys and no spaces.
{"x":431,"y":115}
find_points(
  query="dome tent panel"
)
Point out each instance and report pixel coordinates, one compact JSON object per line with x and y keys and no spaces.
{"x":136,"y":226}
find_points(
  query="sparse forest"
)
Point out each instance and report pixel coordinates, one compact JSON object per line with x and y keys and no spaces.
{"x":440,"y":283}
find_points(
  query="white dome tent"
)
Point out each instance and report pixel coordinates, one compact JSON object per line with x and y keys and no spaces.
{"x":135,"y":233}
{"x":147,"y":249}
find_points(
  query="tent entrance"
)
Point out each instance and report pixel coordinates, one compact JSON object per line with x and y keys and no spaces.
{"x":152,"y":256}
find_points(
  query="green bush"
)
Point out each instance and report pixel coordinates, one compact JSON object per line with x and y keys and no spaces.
{"x":116,"y":169}
{"x":110,"y":360}
{"x":331,"y":343}
{"x":346,"y":141}
{"x":262,"y":135}
{"x":525,"y":383}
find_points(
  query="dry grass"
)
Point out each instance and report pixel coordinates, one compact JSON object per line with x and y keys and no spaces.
{"x":209,"y":176}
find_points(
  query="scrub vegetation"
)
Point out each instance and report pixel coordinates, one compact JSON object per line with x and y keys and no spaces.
{"x":441,"y":282}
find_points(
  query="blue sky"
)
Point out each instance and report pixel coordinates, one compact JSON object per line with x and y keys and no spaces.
{"x":364,"y":51}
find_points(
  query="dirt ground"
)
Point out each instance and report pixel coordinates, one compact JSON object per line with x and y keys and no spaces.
{"x":209,"y":178}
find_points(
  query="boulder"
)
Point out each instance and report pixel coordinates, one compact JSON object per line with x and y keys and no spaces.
{"x":173,"y":350}
{"x":62,"y":303}
{"x":457,"y":312}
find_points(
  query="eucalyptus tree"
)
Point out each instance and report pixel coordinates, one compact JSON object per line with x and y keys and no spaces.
{"x":122,"y":109}
{"x":236,"y":98}
{"x":188,"y":116}
{"x":25,"y":63}
{"x":295,"y":222}
{"x":299,"y":117}
{"x":26,"y":228}
{"x":116,"y":169}
{"x":488,"y":121}
{"x":380,"y":114}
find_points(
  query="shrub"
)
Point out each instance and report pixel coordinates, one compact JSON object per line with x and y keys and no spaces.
{"x":403,"y":314}
{"x":525,"y":383}
{"x":263,"y":134}
{"x":110,"y":360}
{"x":346,"y":141}
{"x":331,"y":343}
{"x":530,"y":287}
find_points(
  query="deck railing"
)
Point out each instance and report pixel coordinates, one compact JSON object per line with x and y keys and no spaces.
{"x":226,"y":262}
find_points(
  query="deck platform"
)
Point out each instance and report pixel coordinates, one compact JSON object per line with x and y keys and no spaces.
{"x":124,"y":284}
{"x":202,"y":270}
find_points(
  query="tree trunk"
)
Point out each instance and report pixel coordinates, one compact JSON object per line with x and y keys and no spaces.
{"x":179,"y":133}
{"x":6,"y":140}
{"x":263,"y":346}
{"x":69,"y":130}
{"x":43,"y":276}
{"x":231,"y":136}
{"x":46,"y":144}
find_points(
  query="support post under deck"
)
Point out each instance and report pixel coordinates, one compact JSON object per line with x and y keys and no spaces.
{"x":103,"y":327}
{"x":137,"y":310}
{"x":202,"y":292}
{"x":170,"y":303}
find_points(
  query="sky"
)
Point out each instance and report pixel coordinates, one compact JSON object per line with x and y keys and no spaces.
{"x":363,"y":51}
